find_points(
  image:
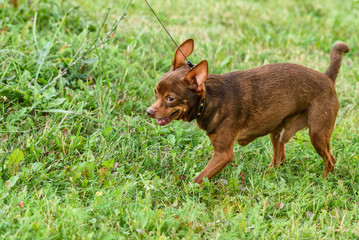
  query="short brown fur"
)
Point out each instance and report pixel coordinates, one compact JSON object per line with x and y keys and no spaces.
{"x":276,"y":99}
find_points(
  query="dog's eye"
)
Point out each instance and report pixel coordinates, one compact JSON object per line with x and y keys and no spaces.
{"x":155,"y":91}
{"x":170,"y":99}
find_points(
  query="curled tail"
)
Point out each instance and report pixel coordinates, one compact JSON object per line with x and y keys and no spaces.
{"x":336,"y":56}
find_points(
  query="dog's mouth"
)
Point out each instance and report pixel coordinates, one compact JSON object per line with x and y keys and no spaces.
{"x":168,"y":119}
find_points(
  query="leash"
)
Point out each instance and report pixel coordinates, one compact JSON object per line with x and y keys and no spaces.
{"x":191,"y":65}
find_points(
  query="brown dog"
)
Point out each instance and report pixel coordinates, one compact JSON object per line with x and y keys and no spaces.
{"x":276,"y":99}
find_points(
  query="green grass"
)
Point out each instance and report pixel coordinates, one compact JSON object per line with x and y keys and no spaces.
{"x":81,"y":160}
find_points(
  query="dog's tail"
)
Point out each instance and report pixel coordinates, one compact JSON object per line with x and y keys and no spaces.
{"x":336,"y":56}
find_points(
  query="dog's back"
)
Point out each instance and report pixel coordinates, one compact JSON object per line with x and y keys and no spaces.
{"x":272,"y":95}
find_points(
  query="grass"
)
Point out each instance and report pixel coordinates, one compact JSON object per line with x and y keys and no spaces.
{"x":80,"y":159}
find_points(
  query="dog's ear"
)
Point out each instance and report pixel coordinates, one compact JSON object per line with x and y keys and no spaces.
{"x":186,"y":48}
{"x":197,"y":76}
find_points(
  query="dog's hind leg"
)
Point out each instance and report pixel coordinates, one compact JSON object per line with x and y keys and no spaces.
{"x":298,"y":123}
{"x":321,"y":123}
{"x":281,"y":137}
{"x":278,"y":150}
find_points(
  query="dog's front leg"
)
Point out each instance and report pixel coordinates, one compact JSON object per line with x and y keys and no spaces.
{"x":223,"y":144}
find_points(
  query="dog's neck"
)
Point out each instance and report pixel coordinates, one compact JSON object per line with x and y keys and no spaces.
{"x":199,"y":109}
{"x":212,"y":102}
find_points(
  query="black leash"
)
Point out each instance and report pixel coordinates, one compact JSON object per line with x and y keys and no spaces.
{"x":191,"y":65}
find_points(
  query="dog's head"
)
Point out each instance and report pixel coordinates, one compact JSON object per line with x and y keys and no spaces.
{"x":179,"y":91}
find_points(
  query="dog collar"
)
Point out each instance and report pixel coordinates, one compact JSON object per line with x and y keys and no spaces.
{"x":200,"y":110}
{"x":202,"y":105}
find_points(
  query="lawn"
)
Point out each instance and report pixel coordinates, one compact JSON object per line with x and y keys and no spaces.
{"x":80,"y":159}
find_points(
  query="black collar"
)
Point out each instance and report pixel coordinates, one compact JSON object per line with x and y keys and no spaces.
{"x":200,"y":110}
{"x":202,"y":105}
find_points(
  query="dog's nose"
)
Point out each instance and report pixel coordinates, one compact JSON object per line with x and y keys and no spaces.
{"x":150,"y":112}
